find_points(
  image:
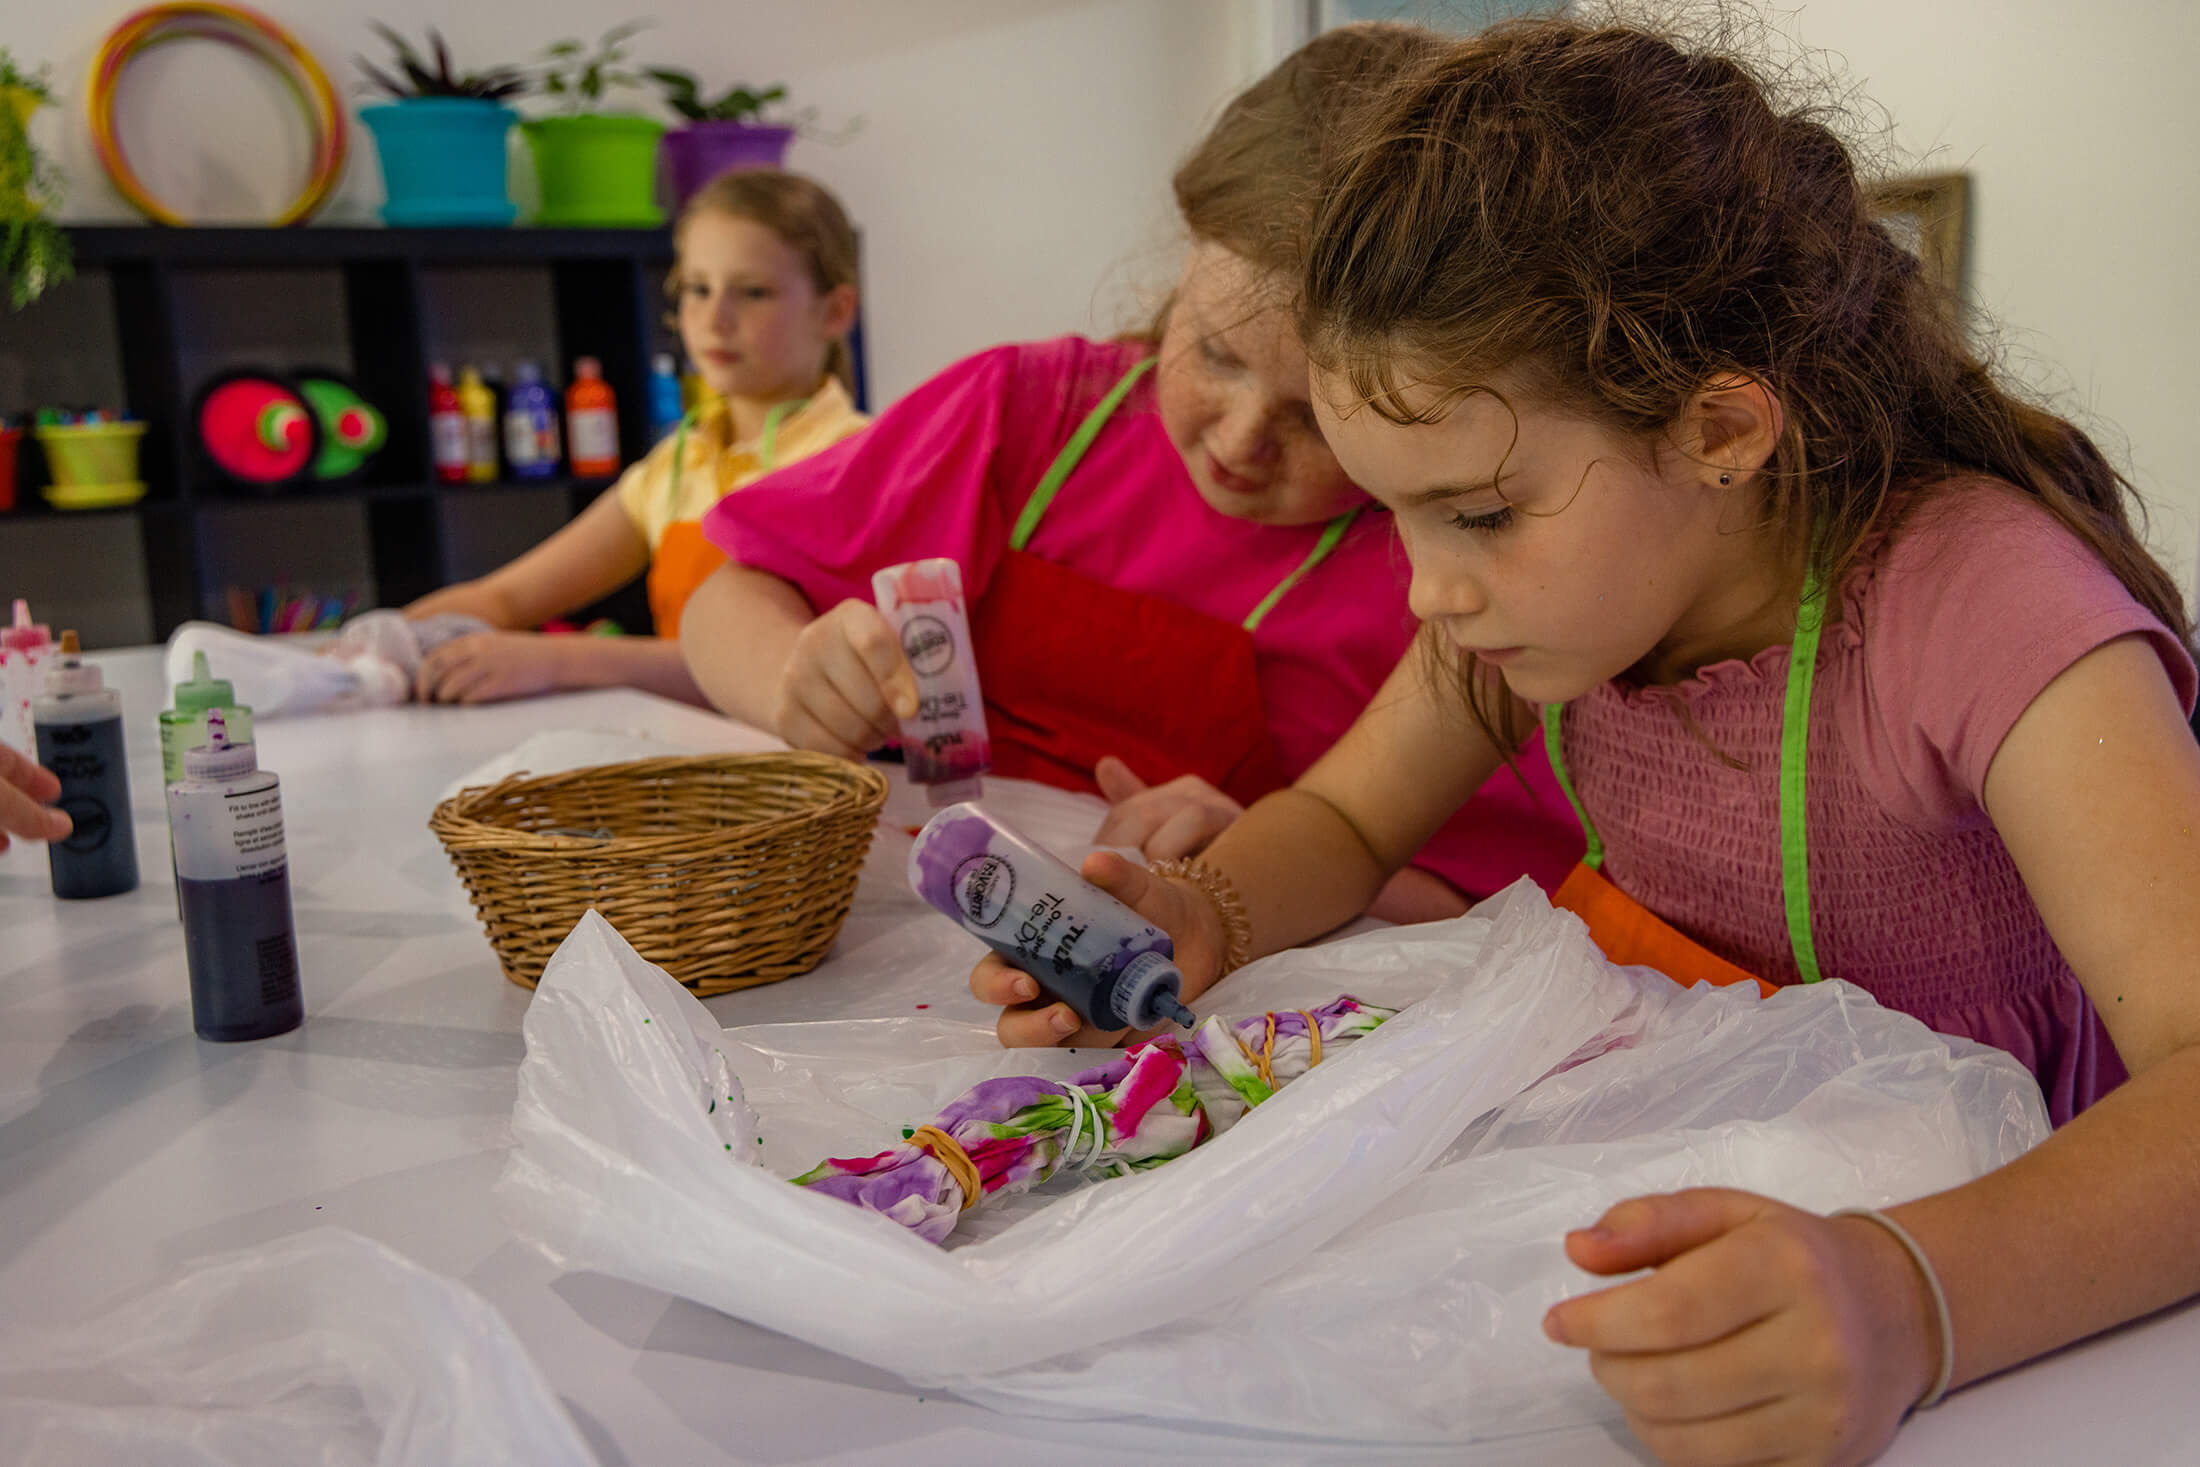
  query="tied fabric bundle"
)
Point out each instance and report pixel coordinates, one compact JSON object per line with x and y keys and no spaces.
{"x":1149,"y":1104}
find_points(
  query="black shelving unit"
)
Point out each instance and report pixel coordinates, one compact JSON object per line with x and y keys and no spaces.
{"x":605,"y":301}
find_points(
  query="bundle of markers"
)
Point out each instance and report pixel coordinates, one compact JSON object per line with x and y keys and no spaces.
{"x":282,"y":609}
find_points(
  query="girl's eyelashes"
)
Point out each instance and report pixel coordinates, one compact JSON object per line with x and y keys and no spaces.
{"x":1487,"y":523}
{"x":1216,"y":353}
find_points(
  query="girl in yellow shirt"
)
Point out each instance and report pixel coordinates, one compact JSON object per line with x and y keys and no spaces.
{"x":764,"y":283}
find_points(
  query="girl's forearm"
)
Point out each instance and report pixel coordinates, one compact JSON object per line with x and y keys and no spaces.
{"x":736,"y":633}
{"x":2091,"y":1228}
{"x":652,"y":664}
{"x":1299,"y":866}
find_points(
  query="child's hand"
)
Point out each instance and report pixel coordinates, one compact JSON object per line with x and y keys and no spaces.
{"x":1177,"y":819}
{"x":1766,"y":1334}
{"x":26,"y":795}
{"x":1032,"y":1020}
{"x":487,"y":667}
{"x":846,"y":684}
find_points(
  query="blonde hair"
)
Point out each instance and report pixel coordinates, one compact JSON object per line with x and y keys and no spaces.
{"x":804,"y":214}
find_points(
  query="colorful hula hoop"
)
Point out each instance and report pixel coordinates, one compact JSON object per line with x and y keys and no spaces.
{"x":233,"y":25}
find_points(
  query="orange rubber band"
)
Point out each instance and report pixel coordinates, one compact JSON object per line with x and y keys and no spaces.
{"x":948,"y":1152}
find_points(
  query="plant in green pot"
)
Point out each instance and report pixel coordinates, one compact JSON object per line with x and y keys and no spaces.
{"x":441,"y":136}
{"x":723,"y":132}
{"x":595,"y":167}
{"x":34,"y":253}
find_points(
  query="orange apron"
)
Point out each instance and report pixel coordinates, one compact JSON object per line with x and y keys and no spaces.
{"x":1629,"y":932}
{"x":1074,"y":668}
{"x":684,"y":559}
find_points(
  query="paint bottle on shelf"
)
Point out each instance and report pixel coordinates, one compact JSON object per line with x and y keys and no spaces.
{"x":446,"y":427}
{"x":531,"y":425}
{"x":666,"y":400}
{"x":240,"y":943}
{"x":78,"y":722}
{"x":24,"y":647}
{"x":591,"y":422}
{"x":1083,"y":947}
{"x":945,"y":746}
{"x":183,"y":727}
{"x":479,"y":405}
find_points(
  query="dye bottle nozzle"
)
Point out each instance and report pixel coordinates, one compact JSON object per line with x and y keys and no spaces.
{"x":218,"y":758}
{"x":24,"y":635}
{"x":68,"y":674}
{"x":1082,"y":946}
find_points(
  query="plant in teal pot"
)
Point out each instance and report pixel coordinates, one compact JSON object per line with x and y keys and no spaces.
{"x":595,"y":167}
{"x":723,"y":132}
{"x":441,"y":136}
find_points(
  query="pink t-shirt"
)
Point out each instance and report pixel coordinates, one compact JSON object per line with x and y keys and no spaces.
{"x":1945,"y":636}
{"x":948,"y":468}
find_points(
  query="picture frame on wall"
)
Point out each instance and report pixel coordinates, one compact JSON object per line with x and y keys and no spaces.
{"x":1929,"y":215}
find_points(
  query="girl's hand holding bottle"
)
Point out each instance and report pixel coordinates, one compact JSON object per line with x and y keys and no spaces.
{"x":845,"y":685}
{"x":26,"y":793}
{"x":1031,"y":1020}
{"x":1167,"y":822}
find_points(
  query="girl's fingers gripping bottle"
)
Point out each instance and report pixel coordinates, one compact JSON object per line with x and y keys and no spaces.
{"x":945,"y":745}
{"x":1083,"y":946}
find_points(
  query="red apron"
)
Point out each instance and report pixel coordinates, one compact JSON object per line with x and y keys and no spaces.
{"x":1075,"y":669}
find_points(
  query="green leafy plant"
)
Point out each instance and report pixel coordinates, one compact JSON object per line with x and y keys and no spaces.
{"x":735,"y":104}
{"x":579,"y":77}
{"x":493,"y":85}
{"x":34,"y":252}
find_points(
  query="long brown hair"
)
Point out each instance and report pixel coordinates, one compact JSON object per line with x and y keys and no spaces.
{"x":804,"y":214}
{"x":1616,"y":221}
{"x":1250,"y":183}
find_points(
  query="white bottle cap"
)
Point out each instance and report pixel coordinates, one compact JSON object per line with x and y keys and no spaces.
{"x":218,"y":758}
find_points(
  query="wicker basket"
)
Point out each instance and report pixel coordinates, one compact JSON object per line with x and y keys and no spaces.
{"x":726,"y":871}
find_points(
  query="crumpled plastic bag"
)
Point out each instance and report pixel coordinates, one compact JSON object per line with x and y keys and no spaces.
{"x":326,"y":1347}
{"x":1368,"y":1255}
{"x":369,"y":664}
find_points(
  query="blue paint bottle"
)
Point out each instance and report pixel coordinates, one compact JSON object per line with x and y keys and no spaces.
{"x":226,"y":819}
{"x":77,"y":720}
{"x":531,"y":426}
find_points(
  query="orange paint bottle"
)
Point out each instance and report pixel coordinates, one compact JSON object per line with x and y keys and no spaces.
{"x":591,"y":422}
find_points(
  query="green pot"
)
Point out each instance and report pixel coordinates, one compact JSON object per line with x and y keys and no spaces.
{"x":596,"y":169}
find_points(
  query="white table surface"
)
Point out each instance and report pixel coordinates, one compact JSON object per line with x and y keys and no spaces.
{"x":128,"y":1147}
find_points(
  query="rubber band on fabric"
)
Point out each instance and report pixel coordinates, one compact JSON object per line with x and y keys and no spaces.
{"x":1237,"y":928}
{"x":1810,"y":620}
{"x":1263,"y":1060}
{"x":948,"y":1152}
{"x":233,"y":25}
{"x":1942,"y":1319}
{"x":1035,"y":508}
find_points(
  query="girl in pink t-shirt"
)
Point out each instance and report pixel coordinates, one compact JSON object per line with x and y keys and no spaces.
{"x":1854,"y":664}
{"x":1172,"y":582}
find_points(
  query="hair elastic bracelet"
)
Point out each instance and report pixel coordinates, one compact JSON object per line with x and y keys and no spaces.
{"x":1947,"y":1370}
{"x":1237,"y":931}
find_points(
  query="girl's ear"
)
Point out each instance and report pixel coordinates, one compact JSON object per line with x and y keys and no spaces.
{"x":1732,"y":426}
{"x":837,"y":311}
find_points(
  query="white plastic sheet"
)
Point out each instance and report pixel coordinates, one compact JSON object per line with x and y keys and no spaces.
{"x":369,"y":664}
{"x":1366,"y":1256}
{"x":325,"y":1348}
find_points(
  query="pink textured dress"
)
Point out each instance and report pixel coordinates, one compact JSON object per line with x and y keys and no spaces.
{"x":1945,"y":635}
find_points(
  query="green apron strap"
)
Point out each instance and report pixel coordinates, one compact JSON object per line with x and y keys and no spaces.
{"x":1328,"y":542}
{"x":1072,"y":452}
{"x":767,"y":452}
{"x":1810,"y":620}
{"x":1592,"y":855}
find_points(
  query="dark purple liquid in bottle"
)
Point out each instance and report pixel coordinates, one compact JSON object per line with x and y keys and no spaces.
{"x":243,"y":957}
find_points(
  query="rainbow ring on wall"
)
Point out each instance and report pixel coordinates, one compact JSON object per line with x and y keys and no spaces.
{"x":233,"y":25}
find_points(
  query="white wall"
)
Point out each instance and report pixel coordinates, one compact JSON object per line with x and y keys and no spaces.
{"x":1010,"y":175}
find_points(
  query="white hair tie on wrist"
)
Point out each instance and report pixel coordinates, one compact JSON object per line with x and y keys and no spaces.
{"x":1946,"y":1323}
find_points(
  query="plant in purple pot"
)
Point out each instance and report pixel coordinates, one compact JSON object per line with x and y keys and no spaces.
{"x":722,"y":133}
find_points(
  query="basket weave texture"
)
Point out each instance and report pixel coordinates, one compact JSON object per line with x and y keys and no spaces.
{"x":727,"y":871}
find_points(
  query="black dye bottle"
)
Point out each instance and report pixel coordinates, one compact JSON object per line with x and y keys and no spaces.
{"x":226,"y":819}
{"x":77,"y":720}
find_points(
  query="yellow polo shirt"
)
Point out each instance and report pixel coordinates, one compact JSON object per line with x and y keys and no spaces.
{"x":713,"y":465}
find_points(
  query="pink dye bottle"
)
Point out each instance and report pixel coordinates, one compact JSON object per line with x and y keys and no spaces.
{"x":945,"y":746}
{"x":24,"y":648}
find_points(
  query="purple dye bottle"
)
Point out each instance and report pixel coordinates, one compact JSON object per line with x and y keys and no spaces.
{"x":1083,"y":946}
{"x":945,"y":746}
{"x":226,"y":818}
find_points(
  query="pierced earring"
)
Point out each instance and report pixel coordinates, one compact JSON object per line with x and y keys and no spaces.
{"x":1725,"y":479}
